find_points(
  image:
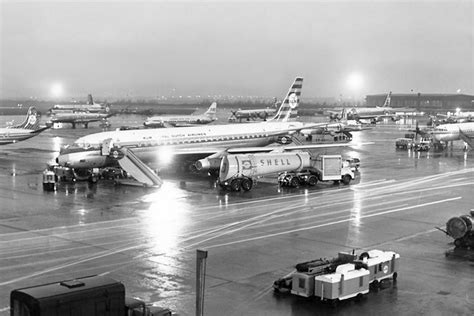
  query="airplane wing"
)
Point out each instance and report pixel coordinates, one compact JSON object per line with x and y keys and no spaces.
{"x":241,"y":150}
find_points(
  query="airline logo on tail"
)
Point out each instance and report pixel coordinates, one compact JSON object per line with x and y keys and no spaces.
{"x":212,"y":110}
{"x":32,"y":120}
{"x":290,"y":103}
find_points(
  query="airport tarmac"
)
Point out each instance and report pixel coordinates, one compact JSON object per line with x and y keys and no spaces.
{"x":147,"y":238}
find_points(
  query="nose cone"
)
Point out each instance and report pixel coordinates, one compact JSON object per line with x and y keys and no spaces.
{"x":63,"y":160}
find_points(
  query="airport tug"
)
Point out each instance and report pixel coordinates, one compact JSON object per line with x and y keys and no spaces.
{"x":340,"y":278}
{"x":461,"y":229}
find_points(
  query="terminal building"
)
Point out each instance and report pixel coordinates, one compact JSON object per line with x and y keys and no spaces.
{"x":427,"y":102}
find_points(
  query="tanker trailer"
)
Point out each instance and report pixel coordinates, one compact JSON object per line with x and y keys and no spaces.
{"x":461,"y":229}
{"x":241,"y":171}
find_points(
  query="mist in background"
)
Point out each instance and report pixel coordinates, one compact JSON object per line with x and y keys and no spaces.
{"x":149,"y":49}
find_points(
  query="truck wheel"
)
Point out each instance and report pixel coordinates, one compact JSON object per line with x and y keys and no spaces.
{"x":346,"y":179}
{"x":235,"y":185}
{"x":294,"y":182}
{"x":312,"y":180}
{"x":395,"y":276}
{"x":458,"y":243}
{"x":246,"y":184}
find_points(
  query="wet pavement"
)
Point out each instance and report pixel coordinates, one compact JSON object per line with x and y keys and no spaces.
{"x":147,"y":238}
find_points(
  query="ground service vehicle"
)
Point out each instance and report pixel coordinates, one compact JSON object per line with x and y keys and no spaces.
{"x":323,"y":168}
{"x":331,"y":168}
{"x":424,"y":144}
{"x":241,"y":171}
{"x":404,"y":143}
{"x":461,"y":229}
{"x":49,"y":180}
{"x":88,"y":296}
{"x":340,"y":278}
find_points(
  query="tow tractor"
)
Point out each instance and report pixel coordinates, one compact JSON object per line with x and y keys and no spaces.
{"x":340,"y":278}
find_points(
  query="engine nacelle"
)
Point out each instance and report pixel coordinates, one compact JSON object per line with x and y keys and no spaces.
{"x":208,"y":164}
{"x":284,"y":140}
{"x":458,"y":227}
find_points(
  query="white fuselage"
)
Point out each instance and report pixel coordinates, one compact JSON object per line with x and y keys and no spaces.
{"x":448,"y":132}
{"x":78,"y":107}
{"x":77,"y":117}
{"x":157,"y":121}
{"x":198,"y":141}
{"x":363,"y":111}
{"x":13,"y":135}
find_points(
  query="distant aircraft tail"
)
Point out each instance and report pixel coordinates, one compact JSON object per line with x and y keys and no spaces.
{"x":211,"y":112}
{"x":90,"y":101}
{"x":32,"y":120}
{"x":387,"y":100}
{"x":290,"y":103}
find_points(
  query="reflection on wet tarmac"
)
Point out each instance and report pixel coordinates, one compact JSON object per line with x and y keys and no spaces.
{"x":147,"y":237}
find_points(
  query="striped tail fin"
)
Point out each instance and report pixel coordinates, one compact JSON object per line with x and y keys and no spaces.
{"x":288,"y":107}
{"x":387,"y":100}
{"x":32,"y":120}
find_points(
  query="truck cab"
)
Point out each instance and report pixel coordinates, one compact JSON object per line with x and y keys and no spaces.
{"x":87,"y":296}
{"x":424,"y":144}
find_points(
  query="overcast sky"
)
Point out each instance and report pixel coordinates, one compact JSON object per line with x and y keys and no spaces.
{"x":235,"y":48}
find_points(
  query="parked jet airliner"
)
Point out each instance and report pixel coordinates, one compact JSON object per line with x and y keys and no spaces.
{"x":367,"y":114}
{"x":454,"y":131}
{"x":183,"y":120}
{"x":205,"y":145}
{"x":29,"y":128}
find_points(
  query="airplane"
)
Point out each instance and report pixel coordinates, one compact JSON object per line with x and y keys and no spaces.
{"x":368,"y":114}
{"x":203,"y":146}
{"x":183,"y":120}
{"x":253,"y":114}
{"x":90,"y":106}
{"x":29,"y":128}
{"x":343,"y":126}
{"x":78,"y":118}
{"x":456,"y":117}
{"x":444,"y":133}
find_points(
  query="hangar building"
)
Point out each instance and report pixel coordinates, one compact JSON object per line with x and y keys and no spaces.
{"x":425,"y":101}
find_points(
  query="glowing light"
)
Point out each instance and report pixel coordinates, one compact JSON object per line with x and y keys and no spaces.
{"x":355,"y":81}
{"x":165,"y":155}
{"x":57,"y":89}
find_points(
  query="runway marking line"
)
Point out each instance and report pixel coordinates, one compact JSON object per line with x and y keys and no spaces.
{"x":332,"y":223}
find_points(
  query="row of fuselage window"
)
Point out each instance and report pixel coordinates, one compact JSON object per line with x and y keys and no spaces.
{"x":150,"y":143}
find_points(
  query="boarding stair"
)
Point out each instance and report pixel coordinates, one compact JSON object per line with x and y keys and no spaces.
{"x":468,"y":140}
{"x":138,"y":169}
{"x":129,"y":162}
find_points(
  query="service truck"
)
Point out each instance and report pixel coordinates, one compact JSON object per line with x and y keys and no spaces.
{"x":87,"y":296}
{"x":241,"y":171}
{"x":340,"y":278}
{"x":323,"y":168}
{"x":295,"y":168}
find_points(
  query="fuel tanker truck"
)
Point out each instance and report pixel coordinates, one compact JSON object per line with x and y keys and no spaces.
{"x":241,"y":171}
{"x":461,"y":229}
